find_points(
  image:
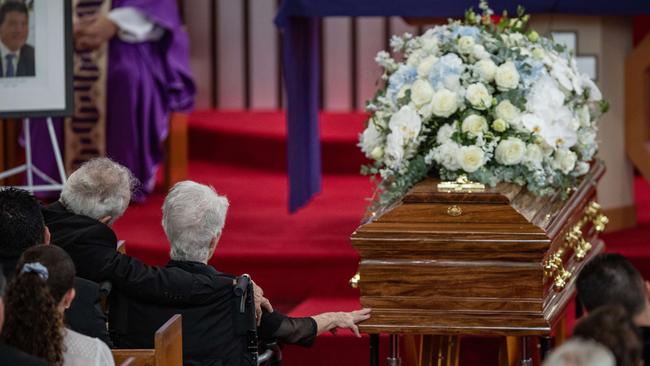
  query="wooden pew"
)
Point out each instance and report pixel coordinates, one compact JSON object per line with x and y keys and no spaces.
{"x":168,"y":349}
{"x":128,"y":362}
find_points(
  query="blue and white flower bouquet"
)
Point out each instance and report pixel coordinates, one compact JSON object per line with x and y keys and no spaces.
{"x":485,"y":100}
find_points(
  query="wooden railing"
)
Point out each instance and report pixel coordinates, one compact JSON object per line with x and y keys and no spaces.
{"x":637,"y":107}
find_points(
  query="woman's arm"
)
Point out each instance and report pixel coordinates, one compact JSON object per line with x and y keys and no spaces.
{"x":333,"y":321}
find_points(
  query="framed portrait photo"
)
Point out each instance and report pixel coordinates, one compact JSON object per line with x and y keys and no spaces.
{"x":36,"y":62}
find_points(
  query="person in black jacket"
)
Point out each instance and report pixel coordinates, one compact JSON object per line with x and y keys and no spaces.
{"x":193,"y":219}
{"x":21,"y":227}
{"x":8,"y":354}
{"x":610,"y":279}
{"x":93,"y":197}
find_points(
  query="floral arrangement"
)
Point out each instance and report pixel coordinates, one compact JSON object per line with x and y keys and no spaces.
{"x":484,"y":100}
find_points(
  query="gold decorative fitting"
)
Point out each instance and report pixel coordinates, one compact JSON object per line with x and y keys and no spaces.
{"x":554,"y":268}
{"x":577,"y":242}
{"x":354,"y":281}
{"x":461,"y":184}
{"x":454,"y":211}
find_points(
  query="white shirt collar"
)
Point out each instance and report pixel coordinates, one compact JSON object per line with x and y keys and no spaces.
{"x":4,"y":50}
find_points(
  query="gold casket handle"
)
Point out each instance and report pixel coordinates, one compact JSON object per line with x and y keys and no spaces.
{"x":554,"y":268}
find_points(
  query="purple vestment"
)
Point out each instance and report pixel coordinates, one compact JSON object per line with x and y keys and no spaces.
{"x":145,"y":82}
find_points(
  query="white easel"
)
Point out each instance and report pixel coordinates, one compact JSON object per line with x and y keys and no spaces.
{"x":31,"y":170}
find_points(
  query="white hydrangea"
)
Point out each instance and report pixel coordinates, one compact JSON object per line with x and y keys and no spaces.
{"x":447,"y":155}
{"x":533,"y":157}
{"x":445,"y":132}
{"x":425,"y":66}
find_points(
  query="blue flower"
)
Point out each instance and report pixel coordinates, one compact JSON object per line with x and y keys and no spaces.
{"x":448,"y":66}
{"x":464,"y":30}
{"x":404,"y":76}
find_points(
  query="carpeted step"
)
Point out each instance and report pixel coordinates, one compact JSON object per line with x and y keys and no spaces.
{"x":258,"y":139}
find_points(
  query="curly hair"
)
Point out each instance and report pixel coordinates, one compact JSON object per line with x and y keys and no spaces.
{"x":38,"y":328}
{"x":34,"y":322}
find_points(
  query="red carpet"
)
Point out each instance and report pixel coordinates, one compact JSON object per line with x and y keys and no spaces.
{"x":302,"y":261}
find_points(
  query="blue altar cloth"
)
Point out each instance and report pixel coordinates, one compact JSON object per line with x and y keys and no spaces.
{"x":298,"y":22}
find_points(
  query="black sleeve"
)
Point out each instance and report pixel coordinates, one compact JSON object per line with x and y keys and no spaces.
{"x":97,"y":259}
{"x":85,"y":315}
{"x":277,"y":326}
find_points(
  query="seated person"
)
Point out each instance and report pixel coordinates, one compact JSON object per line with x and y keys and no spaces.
{"x":93,"y":197}
{"x":40,"y":291}
{"x":21,"y":227}
{"x":612,"y":326}
{"x":612,"y":279}
{"x":10,"y":355}
{"x":580,"y":352}
{"x":193,"y":219}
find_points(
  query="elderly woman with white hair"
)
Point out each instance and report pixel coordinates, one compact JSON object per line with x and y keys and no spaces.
{"x":193,"y":219}
{"x":93,"y":197}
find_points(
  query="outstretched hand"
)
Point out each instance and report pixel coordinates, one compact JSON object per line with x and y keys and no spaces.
{"x":341,"y":320}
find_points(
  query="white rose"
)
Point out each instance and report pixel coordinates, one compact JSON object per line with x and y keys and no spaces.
{"x":507,"y":76}
{"x":486,"y":69}
{"x":444,"y":103}
{"x":479,"y":52}
{"x":510,"y":151}
{"x":564,"y":160}
{"x":465,"y":45}
{"x":478,"y":96}
{"x":377,"y":153}
{"x":539,"y":53}
{"x":421,"y":92}
{"x":425,"y":66}
{"x":507,"y":111}
{"x":534,"y":156}
{"x":474,"y":125}
{"x":470,"y":158}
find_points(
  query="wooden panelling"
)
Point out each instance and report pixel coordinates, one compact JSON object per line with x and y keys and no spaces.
{"x":370,"y":39}
{"x":230,"y":48}
{"x":198,"y":25}
{"x":337,"y":58}
{"x":263,"y":84}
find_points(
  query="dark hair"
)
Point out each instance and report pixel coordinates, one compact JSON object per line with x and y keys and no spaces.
{"x":21,"y":222}
{"x":3,"y":282}
{"x":33,"y":322}
{"x":611,"y":279}
{"x":613,"y":327}
{"x":10,"y":6}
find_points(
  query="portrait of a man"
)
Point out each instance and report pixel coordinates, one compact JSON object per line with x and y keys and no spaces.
{"x":16,"y":56}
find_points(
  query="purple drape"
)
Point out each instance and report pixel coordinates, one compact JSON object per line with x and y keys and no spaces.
{"x":301,"y":75}
{"x":145,"y":82}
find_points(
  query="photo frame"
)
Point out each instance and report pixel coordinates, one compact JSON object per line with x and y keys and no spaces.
{"x":38,"y":83}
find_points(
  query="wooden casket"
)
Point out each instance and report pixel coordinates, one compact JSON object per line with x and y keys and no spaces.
{"x":497,"y":261}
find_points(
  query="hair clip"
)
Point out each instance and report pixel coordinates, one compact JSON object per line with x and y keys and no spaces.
{"x":37,"y":268}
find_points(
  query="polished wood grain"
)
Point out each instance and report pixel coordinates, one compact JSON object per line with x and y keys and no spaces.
{"x":168,"y":351}
{"x":425,"y":269}
{"x":176,"y":159}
